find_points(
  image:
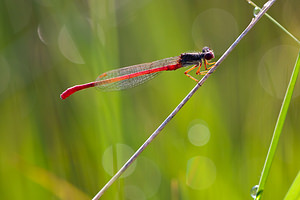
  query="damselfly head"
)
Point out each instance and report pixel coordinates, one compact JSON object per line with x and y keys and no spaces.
{"x":208,"y":53}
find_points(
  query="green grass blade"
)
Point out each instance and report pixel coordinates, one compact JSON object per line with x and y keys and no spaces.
{"x":278,"y":128}
{"x":274,"y":21}
{"x":294,"y":191}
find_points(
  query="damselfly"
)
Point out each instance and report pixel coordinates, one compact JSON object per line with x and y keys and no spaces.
{"x":134,"y":75}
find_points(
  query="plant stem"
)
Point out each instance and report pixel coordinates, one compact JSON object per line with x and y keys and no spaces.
{"x":267,"y":5}
{"x":278,"y":128}
{"x":294,"y":191}
{"x":275,"y":22}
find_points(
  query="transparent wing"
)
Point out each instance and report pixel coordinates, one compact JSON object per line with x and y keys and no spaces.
{"x":128,"y":77}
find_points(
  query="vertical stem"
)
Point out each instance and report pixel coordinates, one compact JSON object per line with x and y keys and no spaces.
{"x":267,"y":5}
{"x":278,"y":129}
{"x":275,"y":22}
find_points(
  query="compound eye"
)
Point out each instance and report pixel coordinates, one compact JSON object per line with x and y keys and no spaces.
{"x":209,"y":55}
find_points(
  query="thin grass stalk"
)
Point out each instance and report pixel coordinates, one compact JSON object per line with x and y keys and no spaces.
{"x":274,"y":21}
{"x":254,"y":20}
{"x":294,"y":191}
{"x":278,"y":129}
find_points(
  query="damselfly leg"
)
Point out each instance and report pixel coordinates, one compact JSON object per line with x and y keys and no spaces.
{"x":187,"y":71}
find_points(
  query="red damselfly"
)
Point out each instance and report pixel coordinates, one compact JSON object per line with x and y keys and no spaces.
{"x":134,"y":75}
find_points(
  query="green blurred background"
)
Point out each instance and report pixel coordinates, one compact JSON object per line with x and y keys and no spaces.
{"x":213,"y":149}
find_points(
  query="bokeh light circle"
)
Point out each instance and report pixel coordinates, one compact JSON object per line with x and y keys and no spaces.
{"x":133,"y":193}
{"x":147,"y":177}
{"x":275,"y":69}
{"x":200,"y":173}
{"x":68,"y":47}
{"x":48,"y":30}
{"x":114,"y":157}
{"x":199,"y":134}
{"x":215,"y":28}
